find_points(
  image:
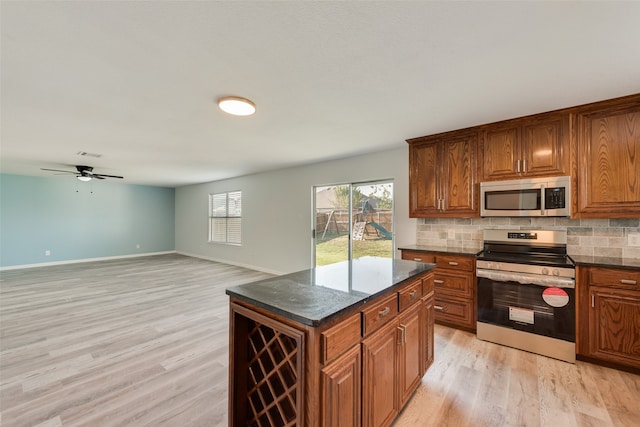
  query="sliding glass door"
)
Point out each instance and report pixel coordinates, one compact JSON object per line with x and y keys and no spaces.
{"x":352,"y":221}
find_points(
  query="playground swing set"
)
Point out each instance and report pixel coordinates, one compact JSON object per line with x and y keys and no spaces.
{"x":360,"y":222}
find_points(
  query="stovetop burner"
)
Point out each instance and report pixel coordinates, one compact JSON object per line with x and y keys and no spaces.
{"x":559,"y":260}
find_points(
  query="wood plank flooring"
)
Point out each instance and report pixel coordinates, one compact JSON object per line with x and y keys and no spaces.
{"x":144,"y":342}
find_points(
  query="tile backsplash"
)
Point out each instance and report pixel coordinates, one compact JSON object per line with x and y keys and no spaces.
{"x":600,"y":237}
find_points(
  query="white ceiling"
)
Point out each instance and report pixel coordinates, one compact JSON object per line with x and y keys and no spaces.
{"x":136,"y":81}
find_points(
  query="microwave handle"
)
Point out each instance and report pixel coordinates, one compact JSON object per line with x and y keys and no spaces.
{"x":543,"y":198}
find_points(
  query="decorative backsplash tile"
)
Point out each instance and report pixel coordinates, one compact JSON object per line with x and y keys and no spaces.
{"x":601,"y":237}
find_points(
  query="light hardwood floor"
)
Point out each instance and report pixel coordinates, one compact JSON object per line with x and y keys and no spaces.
{"x":144,"y":342}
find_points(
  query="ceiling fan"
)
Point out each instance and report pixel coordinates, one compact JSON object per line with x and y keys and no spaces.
{"x":84,"y":173}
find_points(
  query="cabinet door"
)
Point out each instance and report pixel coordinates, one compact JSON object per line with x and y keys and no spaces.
{"x":341,"y":390}
{"x":379,"y":372}
{"x":423,"y":173}
{"x":409,"y":352}
{"x":545,"y":146}
{"x":500,"y":152}
{"x":428,"y":318}
{"x":614,"y":325}
{"x":458,"y":179}
{"x":609,"y":157}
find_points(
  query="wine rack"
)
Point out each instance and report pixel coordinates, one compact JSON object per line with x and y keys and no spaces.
{"x":269,"y":366}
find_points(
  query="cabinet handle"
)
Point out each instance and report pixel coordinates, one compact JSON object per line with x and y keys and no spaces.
{"x":518,"y":166}
{"x":403,"y":334}
{"x":524,"y":166}
{"x":413,"y":294}
{"x":384,"y":312}
{"x":417,"y":259}
{"x":438,"y":308}
{"x":453,"y":263}
{"x":593,"y":301}
{"x":627,"y":282}
{"x":438,"y":281}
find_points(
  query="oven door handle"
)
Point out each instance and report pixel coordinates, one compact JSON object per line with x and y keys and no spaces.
{"x":526,"y":279}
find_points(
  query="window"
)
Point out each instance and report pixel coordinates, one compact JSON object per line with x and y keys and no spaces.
{"x":225,"y":217}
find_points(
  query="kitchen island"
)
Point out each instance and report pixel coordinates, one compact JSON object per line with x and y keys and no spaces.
{"x":342,"y":344}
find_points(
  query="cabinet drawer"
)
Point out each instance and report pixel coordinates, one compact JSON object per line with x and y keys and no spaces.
{"x":340,"y":338}
{"x":409,"y":295}
{"x":427,"y":284}
{"x":618,"y":278}
{"x":455,"y":262}
{"x":418,"y":256}
{"x":453,"y":311}
{"x":379,"y":313}
{"x":454,"y":283}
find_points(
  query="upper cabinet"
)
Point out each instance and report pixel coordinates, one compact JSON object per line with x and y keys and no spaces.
{"x":442,"y":175}
{"x":608,"y":156}
{"x":530,"y":147}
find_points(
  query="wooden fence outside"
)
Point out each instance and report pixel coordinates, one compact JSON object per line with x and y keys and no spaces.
{"x":338,"y":220}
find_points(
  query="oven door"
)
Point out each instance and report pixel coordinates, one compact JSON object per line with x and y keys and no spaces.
{"x":542,"y":309}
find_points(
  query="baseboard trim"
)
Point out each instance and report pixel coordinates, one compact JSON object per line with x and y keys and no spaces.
{"x":77,"y":261}
{"x":237,"y":264}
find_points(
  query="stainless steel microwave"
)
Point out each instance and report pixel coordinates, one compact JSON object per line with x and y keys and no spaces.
{"x":526,"y":197}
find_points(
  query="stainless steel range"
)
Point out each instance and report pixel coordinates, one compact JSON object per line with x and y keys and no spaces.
{"x":526,"y":292}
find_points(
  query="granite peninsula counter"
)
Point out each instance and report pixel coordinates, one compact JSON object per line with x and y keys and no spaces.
{"x":306,"y":346}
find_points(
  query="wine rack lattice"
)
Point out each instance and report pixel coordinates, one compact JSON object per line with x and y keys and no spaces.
{"x":273,"y":383}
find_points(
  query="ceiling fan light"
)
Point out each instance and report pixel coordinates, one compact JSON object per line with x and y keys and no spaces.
{"x":236,"y":106}
{"x":84,"y":178}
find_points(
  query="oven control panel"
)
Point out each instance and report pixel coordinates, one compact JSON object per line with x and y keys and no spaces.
{"x":522,"y":235}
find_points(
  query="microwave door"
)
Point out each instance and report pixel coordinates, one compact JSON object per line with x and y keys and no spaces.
{"x":508,"y":201}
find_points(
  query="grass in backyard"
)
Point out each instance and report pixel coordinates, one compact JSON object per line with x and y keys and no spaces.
{"x":336,"y":249}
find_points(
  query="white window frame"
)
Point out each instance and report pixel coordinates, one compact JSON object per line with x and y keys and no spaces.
{"x":225,"y":218}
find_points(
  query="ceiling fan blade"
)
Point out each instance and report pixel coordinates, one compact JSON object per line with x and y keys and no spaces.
{"x":96,"y":176}
{"x":58,"y":170}
{"x":103,"y":176}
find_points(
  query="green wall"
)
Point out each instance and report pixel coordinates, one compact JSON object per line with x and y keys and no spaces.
{"x":81,"y":220}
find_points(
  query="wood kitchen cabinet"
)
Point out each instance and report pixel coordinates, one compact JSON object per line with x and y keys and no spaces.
{"x":341,"y":390}
{"x":608,"y":155}
{"x":392,"y":367}
{"x":455,"y":287}
{"x":442,"y":175}
{"x":428,"y":313}
{"x":529,"y":147}
{"x":609,"y":315}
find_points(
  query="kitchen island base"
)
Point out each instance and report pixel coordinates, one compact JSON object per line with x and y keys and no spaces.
{"x":357,"y":368}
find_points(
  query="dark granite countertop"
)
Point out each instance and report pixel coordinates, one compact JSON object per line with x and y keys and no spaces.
{"x":315,"y":296}
{"x":440,"y":250}
{"x":613,"y":262}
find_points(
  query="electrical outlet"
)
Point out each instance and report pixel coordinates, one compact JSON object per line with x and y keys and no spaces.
{"x":633,"y":239}
{"x":47,"y":253}
{"x":451,"y":234}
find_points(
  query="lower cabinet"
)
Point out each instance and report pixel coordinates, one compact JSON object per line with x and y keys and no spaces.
{"x":455,"y":287}
{"x":379,"y":369}
{"x":392,"y":367}
{"x":609,"y":315}
{"x":341,"y":390}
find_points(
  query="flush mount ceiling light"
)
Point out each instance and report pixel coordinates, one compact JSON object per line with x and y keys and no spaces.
{"x":236,"y":106}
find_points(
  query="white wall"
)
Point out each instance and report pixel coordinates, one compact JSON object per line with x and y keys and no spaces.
{"x":277,"y":216}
